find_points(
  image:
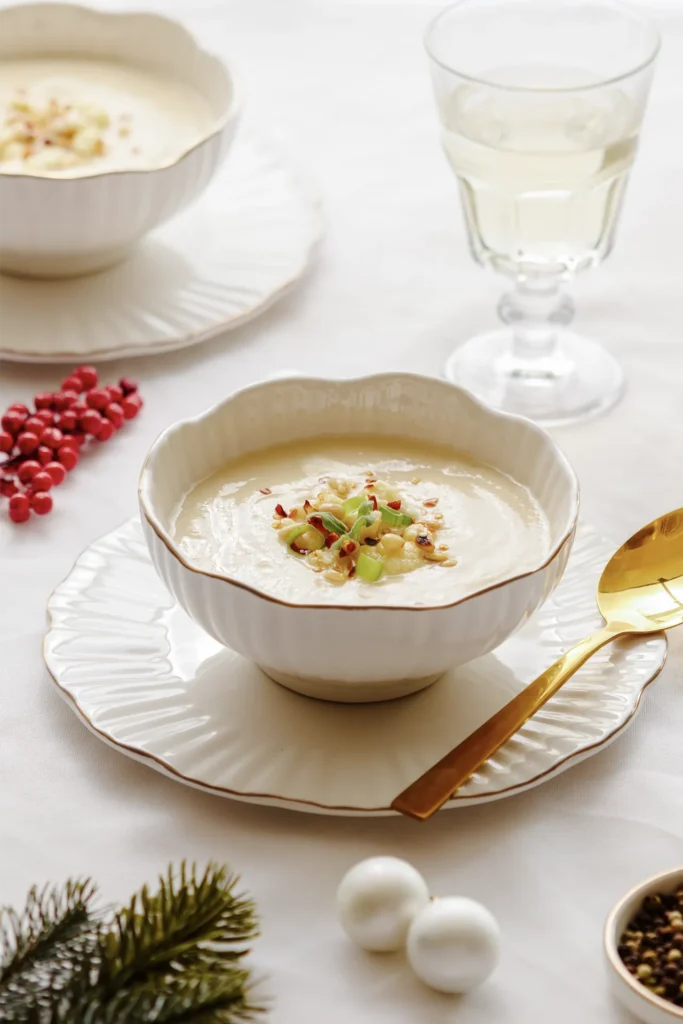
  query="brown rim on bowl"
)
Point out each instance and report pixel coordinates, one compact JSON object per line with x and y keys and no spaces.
{"x":220,"y":122}
{"x":165,"y":538}
{"x":611,"y":939}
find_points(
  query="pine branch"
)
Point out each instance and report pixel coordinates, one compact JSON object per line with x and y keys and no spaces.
{"x":46,"y":951}
{"x":50,"y":916}
{"x":199,"y":997}
{"x":171,"y":957}
{"x":189,"y":922}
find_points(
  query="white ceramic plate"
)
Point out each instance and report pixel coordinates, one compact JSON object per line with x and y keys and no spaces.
{"x":149,"y":681}
{"x":223,"y":261}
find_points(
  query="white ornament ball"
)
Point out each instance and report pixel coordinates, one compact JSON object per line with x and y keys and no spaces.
{"x":453,"y":944}
{"x":376,"y":901}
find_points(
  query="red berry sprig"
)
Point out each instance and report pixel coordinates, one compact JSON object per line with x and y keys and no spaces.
{"x":44,"y":445}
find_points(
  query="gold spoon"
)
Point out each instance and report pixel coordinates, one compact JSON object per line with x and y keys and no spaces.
{"x":640,"y":591}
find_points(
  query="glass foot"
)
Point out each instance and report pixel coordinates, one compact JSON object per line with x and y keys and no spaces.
{"x":576,"y":380}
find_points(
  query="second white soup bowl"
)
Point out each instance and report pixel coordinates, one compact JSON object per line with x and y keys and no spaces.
{"x":63,"y":226}
{"x":351,"y":653}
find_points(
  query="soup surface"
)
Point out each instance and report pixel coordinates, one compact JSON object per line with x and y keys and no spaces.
{"x":421,"y":525}
{"x":72,"y":117}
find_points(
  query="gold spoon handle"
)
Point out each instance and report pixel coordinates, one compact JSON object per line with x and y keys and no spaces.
{"x":426,"y":795}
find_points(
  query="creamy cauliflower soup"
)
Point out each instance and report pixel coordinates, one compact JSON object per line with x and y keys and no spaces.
{"x":72,"y":117}
{"x":361,"y":520}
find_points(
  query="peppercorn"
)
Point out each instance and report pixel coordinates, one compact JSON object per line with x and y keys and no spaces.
{"x":651,"y":946}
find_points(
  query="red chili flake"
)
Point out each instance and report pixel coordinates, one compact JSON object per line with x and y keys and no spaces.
{"x":394,"y":504}
{"x":348,"y":548}
{"x":265,"y":490}
{"x":373,"y":499}
{"x":430,"y":502}
{"x":293,"y":512}
{"x":352,"y":572}
{"x":331,"y":539}
{"x":368,"y":487}
{"x":307,"y":505}
{"x":280,"y":511}
{"x":300,"y":551}
{"x":319,"y":525}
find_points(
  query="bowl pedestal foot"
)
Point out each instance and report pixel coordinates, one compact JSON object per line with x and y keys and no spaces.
{"x":350,"y":692}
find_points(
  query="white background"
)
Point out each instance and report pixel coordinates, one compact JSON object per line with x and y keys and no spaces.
{"x":345,"y":87}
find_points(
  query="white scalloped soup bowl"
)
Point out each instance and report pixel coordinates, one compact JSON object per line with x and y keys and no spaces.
{"x":56,"y":226}
{"x":354,"y":653}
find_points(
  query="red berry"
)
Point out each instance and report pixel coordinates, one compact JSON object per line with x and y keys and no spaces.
{"x":57,"y":472}
{"x":91,"y":421}
{"x":44,"y":401}
{"x":79,"y":408}
{"x":46,"y":417}
{"x":19,"y":407}
{"x":34,"y":425}
{"x":72,"y":383}
{"x":131,"y":405}
{"x":87,"y":376}
{"x":115,"y":392}
{"x":8,"y":488}
{"x":98,"y":398}
{"x":12,"y":421}
{"x":114,"y":412}
{"x":27,"y":470}
{"x":52,"y":437}
{"x":74,"y":440}
{"x":106,"y":430}
{"x":67,"y":456}
{"x":19,"y":508}
{"x":64,"y":400}
{"x":41,"y":503}
{"x":41,"y":481}
{"x":6,"y":441}
{"x":67,"y":420}
{"x":128,"y":385}
{"x":44,"y":454}
{"x":27,"y":442}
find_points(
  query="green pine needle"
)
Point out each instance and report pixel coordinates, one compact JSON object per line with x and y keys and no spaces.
{"x":170,"y":956}
{"x":50,"y":916}
{"x":201,"y":997}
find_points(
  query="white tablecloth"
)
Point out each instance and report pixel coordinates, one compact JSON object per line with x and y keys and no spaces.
{"x":346,"y":88}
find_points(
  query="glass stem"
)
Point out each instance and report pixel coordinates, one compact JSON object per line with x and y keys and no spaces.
{"x":535,"y":310}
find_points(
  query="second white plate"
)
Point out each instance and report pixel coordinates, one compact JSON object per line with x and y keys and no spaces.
{"x":150,"y":682}
{"x":226,"y":259}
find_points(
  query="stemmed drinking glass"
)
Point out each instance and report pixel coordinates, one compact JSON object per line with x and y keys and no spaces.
{"x":541,"y":103}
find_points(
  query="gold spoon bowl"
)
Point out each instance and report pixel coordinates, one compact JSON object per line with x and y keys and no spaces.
{"x":640,"y":591}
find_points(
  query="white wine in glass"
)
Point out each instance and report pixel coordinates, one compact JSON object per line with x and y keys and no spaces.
{"x":541,"y":103}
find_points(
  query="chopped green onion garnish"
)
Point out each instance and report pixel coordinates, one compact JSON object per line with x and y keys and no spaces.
{"x":351,"y":504}
{"x":330,"y":522}
{"x":296,"y":531}
{"x":394,"y":518}
{"x":365,"y":508}
{"x":359,"y":524}
{"x":369,"y":568}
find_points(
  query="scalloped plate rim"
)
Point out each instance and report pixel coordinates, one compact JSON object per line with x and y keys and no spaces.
{"x":299,"y":804}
